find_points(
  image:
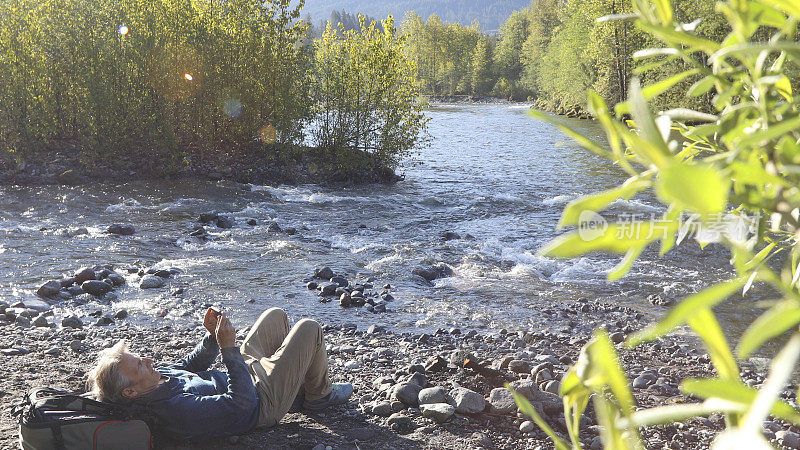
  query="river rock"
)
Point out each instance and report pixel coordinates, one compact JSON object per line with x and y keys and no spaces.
{"x":67,"y":282}
{"x":116,"y":279}
{"x":400,"y":421}
{"x":37,"y":305}
{"x":432,"y":395}
{"x":84,"y":274}
{"x":208,"y":217}
{"x":311,"y":285}
{"x":449,"y":236}
{"x":151,"y":282}
{"x":41,"y":321}
{"x":121,"y":314}
{"x":408,"y":393}
{"x":788,"y":439}
{"x":527,"y":426}
{"x":22,"y":321}
{"x":72,"y":321}
{"x":419,"y":379}
{"x":501,"y":401}
{"x":75,"y":345}
{"x":341,"y":281}
{"x":324,"y":273}
{"x":103,"y":321}
{"x":49,"y":289}
{"x":467,"y":401}
{"x":432,"y":272}
{"x":225,"y":222}
{"x":383,"y":409}
{"x":274,"y":227}
{"x":96,"y":288}
{"x":328,"y":288}
{"x":519,"y":366}
{"x":121,"y":229}
{"x":435,"y":364}
{"x":439,"y":412}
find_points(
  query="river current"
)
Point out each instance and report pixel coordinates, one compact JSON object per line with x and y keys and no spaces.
{"x":490,"y":172}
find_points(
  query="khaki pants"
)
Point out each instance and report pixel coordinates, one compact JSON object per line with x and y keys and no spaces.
{"x":281,"y":360}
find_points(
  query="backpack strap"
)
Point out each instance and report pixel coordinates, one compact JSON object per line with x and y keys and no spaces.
{"x":58,"y":438}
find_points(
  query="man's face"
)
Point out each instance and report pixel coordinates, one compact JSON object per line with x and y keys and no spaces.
{"x":144,"y":378}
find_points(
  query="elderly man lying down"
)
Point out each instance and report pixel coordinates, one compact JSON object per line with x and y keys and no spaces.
{"x":264,"y":379}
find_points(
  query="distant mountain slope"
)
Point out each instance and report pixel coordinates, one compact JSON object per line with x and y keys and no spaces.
{"x":490,"y":13}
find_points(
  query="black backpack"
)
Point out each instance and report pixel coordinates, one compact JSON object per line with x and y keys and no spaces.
{"x":57,"y":419}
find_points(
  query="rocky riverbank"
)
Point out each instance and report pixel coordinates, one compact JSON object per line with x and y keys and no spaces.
{"x":439,"y":390}
{"x":572,"y":111}
{"x":67,"y":163}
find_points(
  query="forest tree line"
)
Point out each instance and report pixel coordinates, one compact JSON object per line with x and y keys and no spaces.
{"x":553,"y":51}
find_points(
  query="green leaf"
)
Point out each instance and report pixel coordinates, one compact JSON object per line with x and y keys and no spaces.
{"x":664,"y":10}
{"x":774,"y":322}
{"x":526,"y":408}
{"x":584,"y":142}
{"x":701,"y":86}
{"x":706,"y":326}
{"x":661,"y":415}
{"x":735,"y":391}
{"x":646,"y":123}
{"x":781,"y":369}
{"x":614,"y":237}
{"x":790,"y":7}
{"x":685,"y":309}
{"x":672,"y":37}
{"x":598,"y":202}
{"x":654,"y":90}
{"x":699,"y":188}
{"x":625,"y":264}
{"x":605,"y":366}
{"x":761,"y":137}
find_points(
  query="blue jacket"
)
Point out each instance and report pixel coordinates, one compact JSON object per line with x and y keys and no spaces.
{"x":195,"y":403}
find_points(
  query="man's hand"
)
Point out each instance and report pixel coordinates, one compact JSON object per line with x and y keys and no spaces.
{"x":226,"y":334}
{"x":210,"y":321}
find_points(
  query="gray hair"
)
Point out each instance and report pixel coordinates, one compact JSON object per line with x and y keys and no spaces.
{"x":105,"y":380}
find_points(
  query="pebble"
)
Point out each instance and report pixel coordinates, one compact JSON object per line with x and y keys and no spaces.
{"x":501,"y":401}
{"x":382,"y":409}
{"x":788,"y":438}
{"x":467,"y":401}
{"x":151,"y":282}
{"x":96,"y":288}
{"x":84,"y":274}
{"x":400,"y":421}
{"x":121,"y":229}
{"x":432,"y":395}
{"x":418,"y":379}
{"x":352,"y":364}
{"x":439,"y":412}
{"x":75,"y":345}
{"x":49,"y":289}
{"x":519,"y":366}
{"x":527,"y":426}
{"x":407,"y":393}
{"x":55,"y":351}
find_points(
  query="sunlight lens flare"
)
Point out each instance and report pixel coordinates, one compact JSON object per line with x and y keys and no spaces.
{"x":123,"y":30}
{"x":268,"y":134}
{"x":188,"y":76}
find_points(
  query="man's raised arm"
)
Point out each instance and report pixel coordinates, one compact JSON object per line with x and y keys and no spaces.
{"x":205,"y":353}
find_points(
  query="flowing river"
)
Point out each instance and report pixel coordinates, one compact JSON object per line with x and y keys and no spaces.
{"x":492,"y":174}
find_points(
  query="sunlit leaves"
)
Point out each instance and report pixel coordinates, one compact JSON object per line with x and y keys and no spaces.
{"x":698,"y":188}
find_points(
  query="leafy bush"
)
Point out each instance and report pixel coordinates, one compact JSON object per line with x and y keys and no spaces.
{"x":745,"y":156}
{"x":365,"y":93}
{"x":162,"y":75}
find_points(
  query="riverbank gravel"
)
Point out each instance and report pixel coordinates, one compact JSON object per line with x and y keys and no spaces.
{"x":440,"y":390}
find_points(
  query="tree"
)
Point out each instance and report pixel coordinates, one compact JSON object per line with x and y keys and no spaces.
{"x":366,"y":91}
{"x":481,"y":76}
